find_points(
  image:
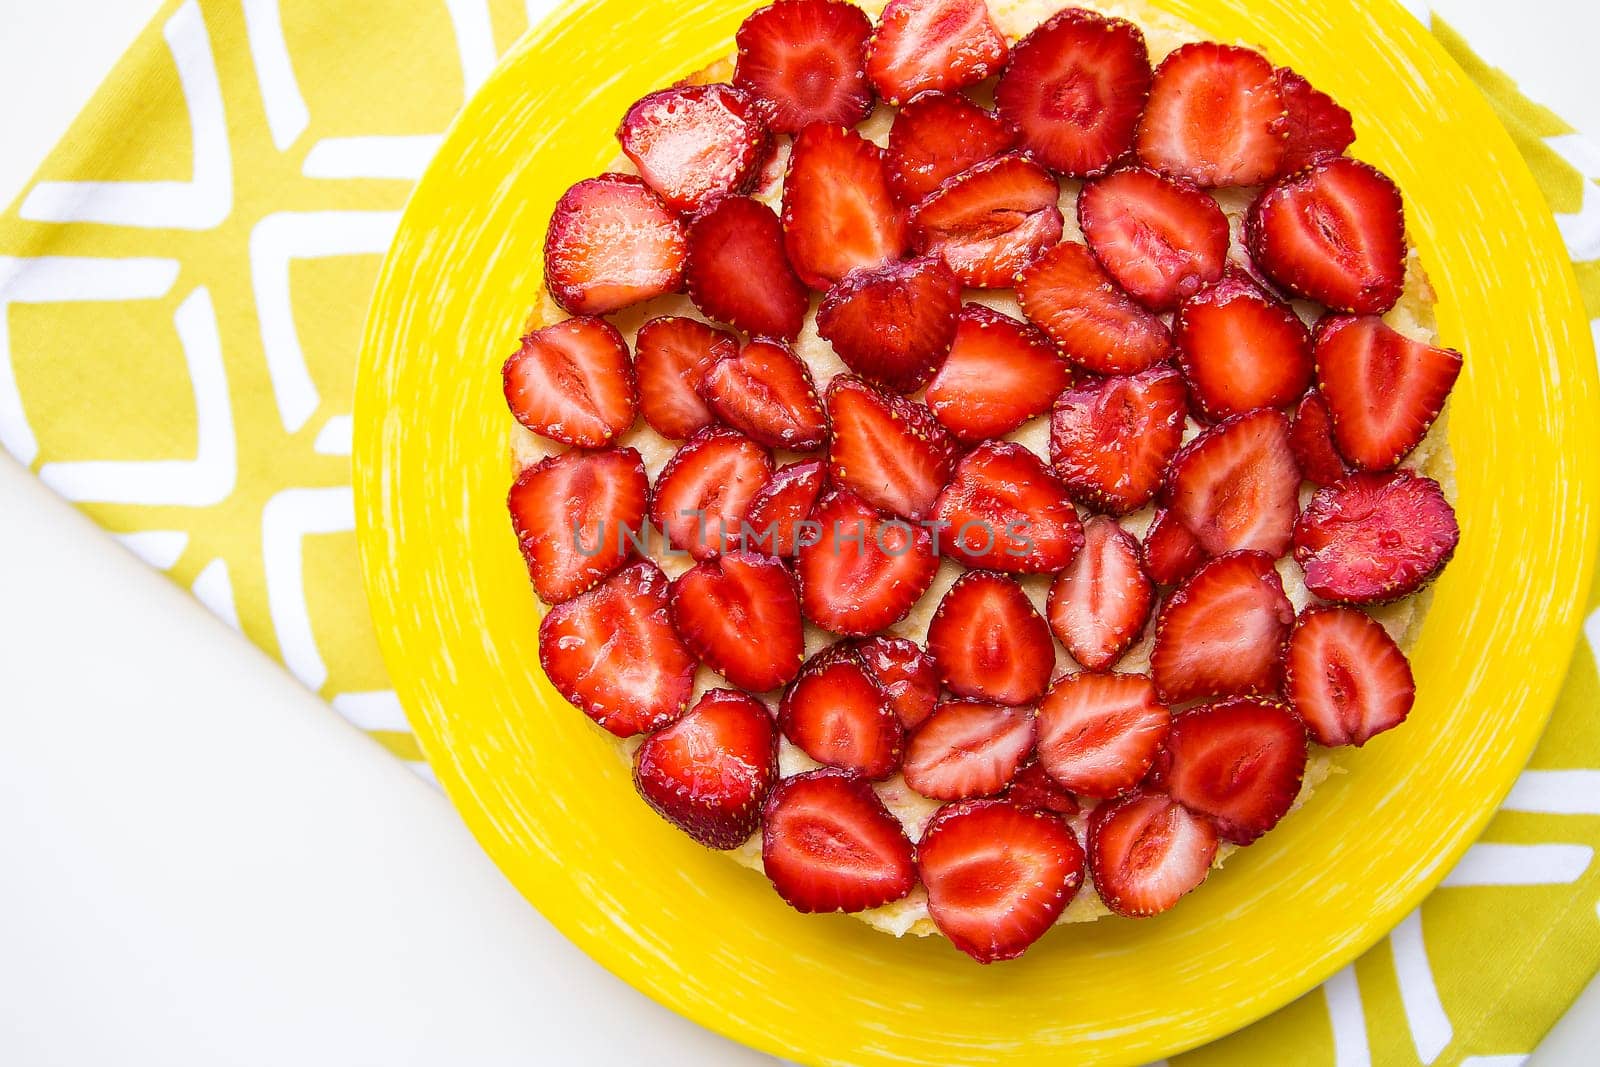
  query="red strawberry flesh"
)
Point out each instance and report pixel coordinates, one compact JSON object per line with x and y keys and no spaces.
{"x":1100,"y":733}
{"x":1112,"y":438}
{"x":1005,"y":510}
{"x":1239,"y":762}
{"x":991,"y":221}
{"x":705,"y":491}
{"x":1383,"y":389}
{"x":1311,"y":440}
{"x":836,"y":714}
{"x":573,"y":382}
{"x":1241,"y":349}
{"x":1345,"y":677}
{"x":573,"y":515}
{"x":1371,"y":538}
{"x":893,"y":324}
{"x":1236,"y":486}
{"x":968,"y":748}
{"x":998,"y":374}
{"x":1169,"y":551}
{"x":737,"y":271}
{"x":1214,"y":116}
{"x":1160,"y":240}
{"x":1100,"y":603}
{"x":1098,"y":326}
{"x":839,"y":213}
{"x":1223,"y":631}
{"x":693,"y":143}
{"x":767,"y":394}
{"x":937,"y":136}
{"x":671,"y":356}
{"x":922,"y":45}
{"x":988,"y":641}
{"x":710,"y":772}
{"x":1317,"y":127}
{"x":779,"y":513}
{"x":611,"y":243}
{"x":1146,"y":851}
{"x":906,"y":675}
{"x":889,"y":450}
{"x":740,"y":615}
{"x":804,"y":61}
{"x":865,"y":570}
{"x":829,"y":844}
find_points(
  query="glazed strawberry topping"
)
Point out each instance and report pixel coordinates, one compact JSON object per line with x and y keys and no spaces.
{"x":1311,"y":441}
{"x":671,"y":355}
{"x":988,"y":641}
{"x":572,"y":382}
{"x":737,"y":272}
{"x":865,"y":570}
{"x":1236,"y":486}
{"x":932,"y":44}
{"x":937,"y":136}
{"x":1146,"y":851}
{"x":704,"y":492}
{"x":710,"y":772}
{"x":838,"y":210}
{"x":968,"y":748}
{"x":906,"y":675}
{"x":693,"y":143}
{"x":804,"y":61}
{"x":1100,"y":733}
{"x":573,"y":514}
{"x":893,"y":324}
{"x":740,"y":615}
{"x":989,"y":222}
{"x":999,"y":374}
{"x":778,"y":519}
{"x":1383,"y":390}
{"x":1112,"y":438}
{"x":611,"y":243}
{"x":1345,"y":677}
{"x":1162,"y":241}
{"x":1239,"y":762}
{"x":1034,"y":788}
{"x":1169,"y":551}
{"x":889,"y":450}
{"x":1098,"y":326}
{"x":1372,"y":538}
{"x":1214,"y":117}
{"x":829,"y":844}
{"x":1006,"y":511}
{"x":1222,"y":632}
{"x":836,"y":714}
{"x":1100,"y":603}
{"x":1241,"y":349}
{"x":1316,"y":127}
{"x":767,"y":394}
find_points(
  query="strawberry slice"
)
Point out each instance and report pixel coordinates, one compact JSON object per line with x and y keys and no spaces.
{"x":1241,"y":349}
{"x":1161,"y":241}
{"x":839,"y":717}
{"x":611,"y":243}
{"x":613,"y":655}
{"x":839,"y":213}
{"x":740,"y":615}
{"x":766,"y":393}
{"x":889,"y":450}
{"x":710,"y":772}
{"x":865,"y":570}
{"x":1099,"y":733}
{"x":1099,"y":605}
{"x":1333,"y":233}
{"x":998,"y":875}
{"x":804,"y":61}
{"x":991,"y":221}
{"x":1240,"y":762}
{"x":780,"y":511}
{"x":932,"y":44}
{"x":704,"y":491}
{"x":573,"y":382}
{"x":671,"y":355}
{"x":906,"y":675}
{"x":968,"y":748}
{"x":1222,"y":632}
{"x":999,"y":374}
{"x":937,"y":136}
{"x":1112,"y":438}
{"x":1074,"y":87}
{"x":988,"y":641}
{"x":1032,"y":787}
{"x":1098,"y":326}
{"x":1371,"y":538}
{"x":1214,"y":116}
{"x":1317,"y":127}
{"x":1169,"y":551}
{"x":1004,"y":510}
{"x":1236,"y":485}
{"x":737,"y":271}
{"x":693,"y":143}
{"x":1146,"y":851}
{"x":573,"y":514}
{"x":829,"y":844}
{"x":893,"y":324}
{"x":1345,"y":677}
{"x":1383,"y":389}
{"x":1311,"y":441}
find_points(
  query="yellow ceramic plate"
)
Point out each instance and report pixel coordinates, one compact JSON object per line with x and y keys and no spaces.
{"x":548,"y":797}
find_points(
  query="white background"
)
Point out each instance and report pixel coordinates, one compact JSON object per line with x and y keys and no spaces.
{"x":201,"y":865}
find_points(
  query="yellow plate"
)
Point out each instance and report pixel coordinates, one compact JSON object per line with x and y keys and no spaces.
{"x":551,"y":802}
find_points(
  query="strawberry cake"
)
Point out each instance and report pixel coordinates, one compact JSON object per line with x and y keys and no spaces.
{"x":983,"y":462}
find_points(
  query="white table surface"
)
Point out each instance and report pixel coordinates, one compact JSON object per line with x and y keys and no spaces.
{"x":204,"y":866}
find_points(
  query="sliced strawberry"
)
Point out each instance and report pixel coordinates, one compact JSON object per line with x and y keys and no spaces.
{"x":932,"y":44}
{"x":906,"y":675}
{"x":937,"y":136}
{"x":1240,"y":762}
{"x":1161,"y":241}
{"x":889,"y":450}
{"x":968,"y":748}
{"x":740,"y":615}
{"x":1333,"y":233}
{"x":1236,"y":485}
{"x":991,"y":221}
{"x":613,"y":654}
{"x":1098,"y":326}
{"x":693,"y":143}
{"x":1241,"y":349}
{"x":829,"y":844}
{"x":999,"y":374}
{"x":1372,"y":538}
{"x":1214,"y":116}
{"x":704,"y":491}
{"x":1075,"y":87}
{"x":1112,"y":438}
{"x":611,"y":243}
{"x":1099,"y":733}
{"x":1170,"y":552}
{"x":1311,"y":440}
{"x":710,"y":772}
{"x":998,"y":875}
{"x":893,"y":324}
{"x":865,"y":570}
{"x":766,"y":393}
{"x":1032,"y":787}
{"x":1345,"y":677}
{"x":988,"y":641}
{"x":1317,"y":127}
{"x":804,"y":61}
{"x":573,"y":382}
{"x":1383,"y":389}
{"x":1222,"y":632}
{"x":1099,"y":605}
{"x":671,"y":355}
{"x":738,"y":273}
{"x":839,"y":213}
{"x":574,"y":513}
{"x":1146,"y":851}
{"x":780,"y":513}
{"x":838,"y":716}
{"x":1006,"y":511}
